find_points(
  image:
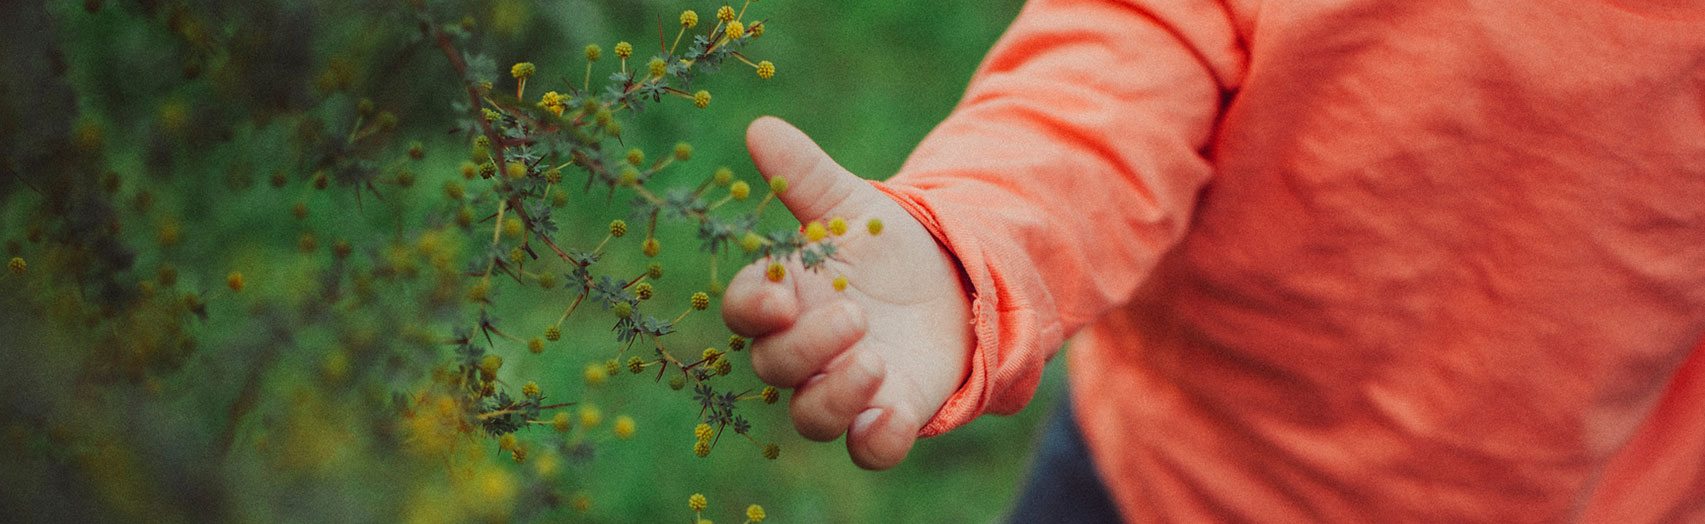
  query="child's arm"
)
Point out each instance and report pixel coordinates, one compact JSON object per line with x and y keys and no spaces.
{"x":1071,"y":165}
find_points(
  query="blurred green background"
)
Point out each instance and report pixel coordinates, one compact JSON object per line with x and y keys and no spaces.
{"x":201,"y":130}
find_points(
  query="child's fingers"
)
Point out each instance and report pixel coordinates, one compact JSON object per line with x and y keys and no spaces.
{"x":825,"y":405}
{"x":754,"y":307}
{"x":816,"y":185}
{"x":788,"y":357}
{"x":882,"y":435}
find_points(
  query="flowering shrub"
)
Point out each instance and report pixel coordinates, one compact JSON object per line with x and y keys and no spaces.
{"x":370,"y":354}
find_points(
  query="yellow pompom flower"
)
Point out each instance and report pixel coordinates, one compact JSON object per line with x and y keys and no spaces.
{"x":740,"y":190}
{"x":531,"y":389}
{"x":757,"y":29}
{"x":560,"y":422}
{"x":815,"y":231}
{"x":755,"y":513}
{"x":512,"y":227}
{"x":553,"y":101}
{"x":553,"y":333}
{"x":840,"y":283}
{"x":590,"y":416}
{"x":778,"y":185}
{"x":522,"y":70}
{"x":651,"y":247}
{"x":657,"y":67}
{"x":506,"y":442}
{"x":770,"y":394}
{"x":683,"y":151}
{"x":17,"y":265}
{"x":751,"y":242}
{"x":594,"y":52}
{"x":489,"y":366}
{"x":624,"y":50}
{"x":766,"y":69}
{"x":735,"y":30}
{"x":515,"y":170}
{"x":636,"y":157}
{"x":837,"y":226}
{"x":875,"y":226}
{"x":697,"y":502}
{"x":595,"y":374}
{"x":689,"y":19}
{"x":618,"y":228}
{"x":775,"y":272}
{"x":624,"y":427}
{"x":725,"y":13}
{"x":701,"y":99}
{"x":703,"y":432}
{"x":700,"y":301}
{"x":723,"y":176}
{"x":234,"y":280}
{"x":536,"y":346}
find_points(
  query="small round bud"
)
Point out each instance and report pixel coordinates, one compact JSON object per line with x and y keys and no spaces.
{"x":560,"y":422}
{"x":454,"y":190}
{"x":651,"y":247}
{"x":612,"y":367}
{"x":697,"y":502}
{"x":840,"y":283}
{"x":755,"y":513}
{"x":622,"y":309}
{"x":735,"y":30}
{"x":17,"y":265}
{"x":530,"y":389}
{"x":515,"y":170}
{"x":594,"y":52}
{"x":522,"y":70}
{"x":657,"y":67}
{"x":751,"y":242}
{"x":700,"y":301}
{"x":489,"y":366}
{"x":506,"y":442}
{"x":512,"y":227}
{"x":628,"y":177}
{"x":701,"y":99}
{"x":770,"y":394}
{"x":778,"y":185}
{"x":766,"y":69}
{"x":590,"y":416}
{"x":772,"y":451}
{"x":553,"y":175}
{"x":594,"y":375}
{"x":816,"y":231}
{"x":470,"y":170}
{"x":677,"y":382}
{"x":683,"y":151}
{"x":874,"y":226}
{"x":488,"y":169}
{"x":689,"y":19}
{"x":655,"y":271}
{"x":701,"y":448}
{"x":703,"y":432}
{"x":837,"y":226}
{"x":736,"y":342}
{"x":618,"y":228}
{"x":636,"y":365}
{"x":757,"y":29}
{"x":416,"y":150}
{"x":553,"y":333}
{"x":642,"y":290}
{"x":536,"y":346}
{"x":740,"y":190}
{"x":623,"y":428}
{"x":624,"y":50}
{"x":235,"y":281}
{"x":636,"y":157}
{"x":723,"y":176}
{"x":725,"y":13}
{"x":775,"y":272}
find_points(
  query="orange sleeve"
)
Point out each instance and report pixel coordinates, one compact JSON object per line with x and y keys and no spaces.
{"x":1069,"y":167}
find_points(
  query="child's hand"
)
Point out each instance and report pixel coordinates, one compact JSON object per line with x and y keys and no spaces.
{"x":877,"y":360}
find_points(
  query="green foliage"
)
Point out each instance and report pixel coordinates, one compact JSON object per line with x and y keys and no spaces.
{"x":261,"y":285}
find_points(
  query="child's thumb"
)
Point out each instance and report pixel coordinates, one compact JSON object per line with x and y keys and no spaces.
{"x":816,"y":185}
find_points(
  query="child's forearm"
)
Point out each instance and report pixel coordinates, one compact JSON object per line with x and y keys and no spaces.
{"x":1072,"y":164}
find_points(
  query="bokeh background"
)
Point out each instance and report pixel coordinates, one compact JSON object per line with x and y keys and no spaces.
{"x":192,"y":106}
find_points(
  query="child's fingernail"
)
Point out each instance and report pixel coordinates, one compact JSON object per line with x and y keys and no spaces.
{"x":865,"y":420}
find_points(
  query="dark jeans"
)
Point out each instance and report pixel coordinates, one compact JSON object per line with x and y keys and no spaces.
{"x":1063,"y":486}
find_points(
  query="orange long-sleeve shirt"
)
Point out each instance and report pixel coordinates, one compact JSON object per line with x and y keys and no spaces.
{"x":1344,"y":259}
